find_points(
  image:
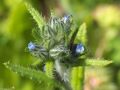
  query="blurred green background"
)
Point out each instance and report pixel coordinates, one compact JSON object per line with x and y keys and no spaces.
{"x":103,"y":24}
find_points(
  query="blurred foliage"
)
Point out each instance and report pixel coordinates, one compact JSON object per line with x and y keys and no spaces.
{"x":103,"y":24}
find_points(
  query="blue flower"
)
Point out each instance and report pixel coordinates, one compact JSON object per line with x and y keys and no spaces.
{"x":65,"y":19}
{"x":80,"y":49}
{"x":31,"y":46}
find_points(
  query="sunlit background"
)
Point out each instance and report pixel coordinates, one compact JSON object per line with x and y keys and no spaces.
{"x":103,"y":25}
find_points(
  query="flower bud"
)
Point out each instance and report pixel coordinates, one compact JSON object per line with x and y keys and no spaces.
{"x":31,"y":46}
{"x":80,"y":49}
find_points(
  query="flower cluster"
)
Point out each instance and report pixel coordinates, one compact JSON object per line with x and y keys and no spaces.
{"x":54,"y":40}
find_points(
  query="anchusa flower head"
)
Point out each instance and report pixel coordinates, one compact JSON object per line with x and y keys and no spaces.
{"x":31,"y":46}
{"x":66,"y":18}
{"x":54,"y":41}
{"x":37,"y":50}
{"x":80,"y":49}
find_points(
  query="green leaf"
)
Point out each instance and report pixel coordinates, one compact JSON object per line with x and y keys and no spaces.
{"x":81,"y":34}
{"x":97,"y":62}
{"x":32,"y":74}
{"x":36,"y":16}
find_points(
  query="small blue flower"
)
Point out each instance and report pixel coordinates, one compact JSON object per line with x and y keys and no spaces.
{"x":31,"y":46}
{"x":65,"y":19}
{"x":80,"y":49}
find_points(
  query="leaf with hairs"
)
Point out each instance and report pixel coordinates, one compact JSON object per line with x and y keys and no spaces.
{"x":81,"y":34}
{"x":32,"y":74}
{"x":36,"y":16}
{"x":97,"y":62}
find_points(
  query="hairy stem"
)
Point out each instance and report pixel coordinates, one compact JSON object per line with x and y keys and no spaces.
{"x":77,"y":78}
{"x":49,"y":66}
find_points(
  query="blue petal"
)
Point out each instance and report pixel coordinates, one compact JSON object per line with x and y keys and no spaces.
{"x":80,"y":48}
{"x":31,"y":46}
{"x":65,"y":18}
